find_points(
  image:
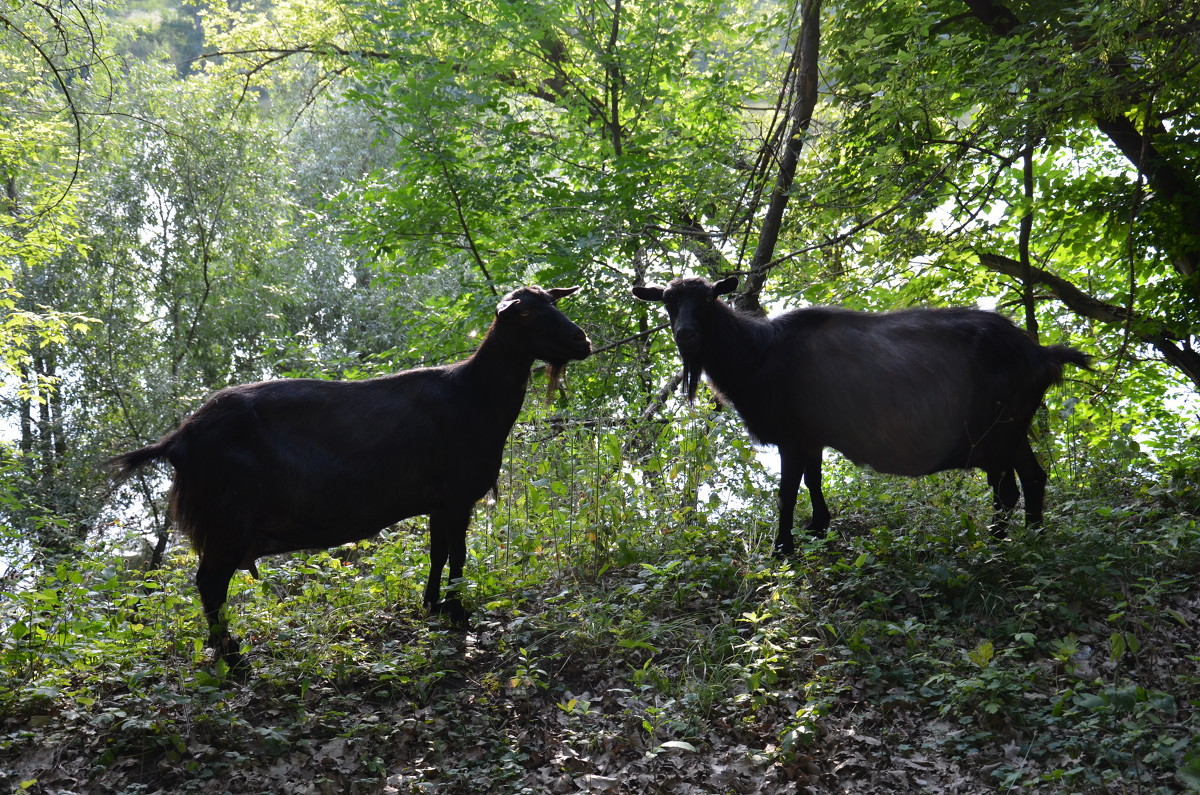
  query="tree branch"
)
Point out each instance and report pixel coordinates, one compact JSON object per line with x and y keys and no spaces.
{"x":1175,"y":347}
{"x":466,"y":228}
{"x":1026,"y":230}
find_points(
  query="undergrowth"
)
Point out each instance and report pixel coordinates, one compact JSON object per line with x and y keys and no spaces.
{"x":637,"y":646}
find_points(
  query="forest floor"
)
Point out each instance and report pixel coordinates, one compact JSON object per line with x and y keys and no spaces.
{"x":873,"y":662}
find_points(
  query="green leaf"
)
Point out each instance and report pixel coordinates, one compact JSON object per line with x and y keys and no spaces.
{"x":982,"y":654}
{"x":1188,"y":771}
{"x":1117,"y":645}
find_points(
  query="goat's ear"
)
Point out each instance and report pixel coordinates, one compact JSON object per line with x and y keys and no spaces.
{"x":725,"y":286}
{"x":561,"y":292}
{"x":648,"y":293}
{"x":506,"y":304}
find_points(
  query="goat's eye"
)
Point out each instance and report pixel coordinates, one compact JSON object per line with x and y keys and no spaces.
{"x":524,"y":313}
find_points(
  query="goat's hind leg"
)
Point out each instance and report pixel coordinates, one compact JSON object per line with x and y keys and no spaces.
{"x":1004,"y":499}
{"x":1005,"y":491}
{"x":1033,"y":484}
{"x":212,"y":581}
{"x":812,"y":479}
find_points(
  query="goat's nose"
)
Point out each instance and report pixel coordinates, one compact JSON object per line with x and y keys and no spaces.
{"x":686,"y":335}
{"x":583,"y":345}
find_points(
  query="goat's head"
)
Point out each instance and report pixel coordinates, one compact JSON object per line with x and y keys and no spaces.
{"x":531,"y":316}
{"x":690,"y":305}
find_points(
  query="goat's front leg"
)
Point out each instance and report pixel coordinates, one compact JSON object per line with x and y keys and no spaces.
{"x":447,"y":543}
{"x":791,"y":469}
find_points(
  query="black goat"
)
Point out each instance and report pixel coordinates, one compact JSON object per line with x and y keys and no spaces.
{"x":293,"y":464}
{"x":910,"y":392}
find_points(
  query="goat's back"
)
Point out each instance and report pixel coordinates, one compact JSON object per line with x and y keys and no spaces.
{"x":907,"y":392}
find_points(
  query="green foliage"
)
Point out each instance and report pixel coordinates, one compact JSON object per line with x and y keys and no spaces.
{"x":931,"y":108}
{"x":539,"y":141}
{"x":41,"y":123}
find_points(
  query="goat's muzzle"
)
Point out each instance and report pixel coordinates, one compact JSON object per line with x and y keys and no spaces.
{"x":581,"y":349}
{"x":687,"y":339}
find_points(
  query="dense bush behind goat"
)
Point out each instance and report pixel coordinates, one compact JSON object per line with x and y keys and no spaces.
{"x":294,"y":464}
{"x":910,"y":392}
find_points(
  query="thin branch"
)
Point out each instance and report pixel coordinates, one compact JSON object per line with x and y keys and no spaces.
{"x":1172,"y":344}
{"x":466,"y":228}
{"x":661,"y":398}
{"x":626,"y":340}
{"x":1024,"y":232}
{"x":279,"y":53}
{"x":72,"y":108}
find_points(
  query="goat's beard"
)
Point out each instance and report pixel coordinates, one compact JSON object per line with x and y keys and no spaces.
{"x":554,"y":380}
{"x":692,"y":370}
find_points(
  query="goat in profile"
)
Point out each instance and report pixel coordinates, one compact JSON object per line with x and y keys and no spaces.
{"x":910,"y":392}
{"x":293,"y":464}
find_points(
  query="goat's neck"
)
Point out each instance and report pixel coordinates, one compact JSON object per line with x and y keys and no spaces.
{"x":734,"y":350}
{"x":501,"y":371}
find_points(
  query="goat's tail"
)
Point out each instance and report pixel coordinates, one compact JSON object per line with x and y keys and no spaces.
{"x":123,"y":466}
{"x":1059,"y":355}
{"x":1062,"y":354}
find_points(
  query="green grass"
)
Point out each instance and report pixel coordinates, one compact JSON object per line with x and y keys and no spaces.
{"x":634,"y":644}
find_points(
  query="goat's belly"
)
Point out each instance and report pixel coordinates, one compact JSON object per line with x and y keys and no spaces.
{"x":295,"y":529}
{"x":909,"y":458}
{"x":897,"y":465}
{"x":295,"y":539}
{"x":328,"y":512}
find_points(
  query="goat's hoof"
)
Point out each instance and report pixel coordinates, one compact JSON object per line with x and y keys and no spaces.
{"x":453,"y":611}
{"x":228,"y":651}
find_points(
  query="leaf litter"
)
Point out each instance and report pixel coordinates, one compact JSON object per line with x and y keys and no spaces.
{"x":675,"y":680}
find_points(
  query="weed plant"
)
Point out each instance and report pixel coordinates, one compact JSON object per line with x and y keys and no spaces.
{"x":633,"y":633}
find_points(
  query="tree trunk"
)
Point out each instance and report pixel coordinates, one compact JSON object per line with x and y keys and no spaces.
{"x":807,"y":46}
